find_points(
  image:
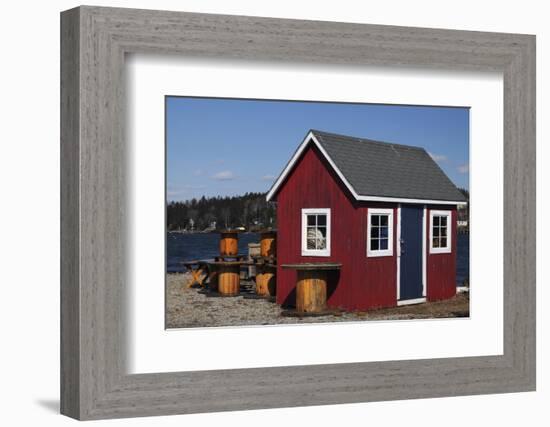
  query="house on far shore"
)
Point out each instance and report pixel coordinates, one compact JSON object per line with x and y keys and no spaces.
{"x":386,"y":212}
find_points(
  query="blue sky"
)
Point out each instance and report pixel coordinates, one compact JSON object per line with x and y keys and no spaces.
{"x":220,"y":147}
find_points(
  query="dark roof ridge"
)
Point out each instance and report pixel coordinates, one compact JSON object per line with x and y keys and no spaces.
{"x":317,"y":131}
{"x":395,"y":171}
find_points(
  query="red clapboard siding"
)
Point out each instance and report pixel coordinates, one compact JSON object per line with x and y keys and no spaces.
{"x":362,"y":282}
{"x":441,"y":268}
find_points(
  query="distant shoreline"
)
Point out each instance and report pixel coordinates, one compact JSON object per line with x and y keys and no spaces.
{"x":207,"y":232}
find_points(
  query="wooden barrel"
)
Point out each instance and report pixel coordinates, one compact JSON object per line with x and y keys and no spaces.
{"x":311,"y":291}
{"x":268,"y":244}
{"x":229,"y":244}
{"x":270,"y":283}
{"x":213,"y":281}
{"x":265,"y":280}
{"x":260,"y":287}
{"x":229,"y":279}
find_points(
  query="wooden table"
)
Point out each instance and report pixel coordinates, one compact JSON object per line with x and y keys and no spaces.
{"x":311,"y":285}
{"x":202,"y":269}
{"x":240,"y":257}
{"x":229,"y":276}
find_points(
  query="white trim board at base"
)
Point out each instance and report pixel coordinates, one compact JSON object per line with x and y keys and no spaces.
{"x":411,"y":301}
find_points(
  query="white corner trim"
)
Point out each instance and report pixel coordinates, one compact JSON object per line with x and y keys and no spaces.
{"x":398,"y":251}
{"x":315,"y":252}
{"x":386,"y":252}
{"x":448,"y":248}
{"x":311,"y":137}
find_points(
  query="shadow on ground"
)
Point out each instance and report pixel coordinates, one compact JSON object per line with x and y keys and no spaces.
{"x":51,"y":405}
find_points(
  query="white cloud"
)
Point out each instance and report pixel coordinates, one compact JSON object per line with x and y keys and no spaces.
{"x":224,"y":176}
{"x":182,"y":190}
{"x":438,"y":157}
{"x":268,"y":177}
{"x":465,"y":168}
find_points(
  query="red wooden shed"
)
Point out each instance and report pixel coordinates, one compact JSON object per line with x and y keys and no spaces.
{"x":385,"y":211}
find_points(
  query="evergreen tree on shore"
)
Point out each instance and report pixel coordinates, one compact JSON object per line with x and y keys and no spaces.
{"x":250,"y":210}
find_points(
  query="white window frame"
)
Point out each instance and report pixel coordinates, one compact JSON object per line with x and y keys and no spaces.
{"x":315,"y":252}
{"x":448,"y":248}
{"x":379,"y":252}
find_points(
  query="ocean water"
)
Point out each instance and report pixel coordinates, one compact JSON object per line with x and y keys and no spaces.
{"x":187,"y":247}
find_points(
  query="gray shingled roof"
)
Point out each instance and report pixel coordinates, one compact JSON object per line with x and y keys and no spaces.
{"x":375,"y":168}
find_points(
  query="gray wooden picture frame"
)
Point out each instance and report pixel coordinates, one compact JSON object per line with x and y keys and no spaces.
{"x":94,"y":382}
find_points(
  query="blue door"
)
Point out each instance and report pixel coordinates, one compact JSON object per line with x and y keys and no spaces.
{"x":410,"y":266}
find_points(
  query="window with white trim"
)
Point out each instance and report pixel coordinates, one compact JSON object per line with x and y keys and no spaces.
{"x":380,"y":232}
{"x":440,"y":232}
{"x":316,"y":232}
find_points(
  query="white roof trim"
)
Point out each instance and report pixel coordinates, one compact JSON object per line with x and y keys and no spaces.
{"x":311,"y":137}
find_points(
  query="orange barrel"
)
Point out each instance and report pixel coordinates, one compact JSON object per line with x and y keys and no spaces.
{"x":270,"y":279}
{"x":268,"y":243}
{"x":229,"y":278}
{"x":229,"y":243}
{"x":265,"y":280}
{"x":260,"y":287}
{"x":311,"y":291}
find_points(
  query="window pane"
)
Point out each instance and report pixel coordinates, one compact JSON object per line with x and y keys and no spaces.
{"x":435,"y":232}
{"x":384,"y":232}
{"x":321,"y":238}
{"x":373,"y":244}
{"x":384,"y":220}
{"x":436,"y":221}
{"x":316,"y":231}
{"x":443,"y":231}
{"x":443,"y":221}
{"x":321,"y":220}
{"x":375,"y":220}
{"x":443,"y":242}
{"x":374,"y":232}
{"x":321,"y":243}
{"x":435,"y":242}
{"x":383,"y":244}
{"x":311,"y":237}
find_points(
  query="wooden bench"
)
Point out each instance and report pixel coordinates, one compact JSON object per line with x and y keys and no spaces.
{"x":228,"y":276}
{"x":200,"y":271}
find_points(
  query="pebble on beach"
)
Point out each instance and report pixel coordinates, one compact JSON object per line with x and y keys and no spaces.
{"x":190,"y":308}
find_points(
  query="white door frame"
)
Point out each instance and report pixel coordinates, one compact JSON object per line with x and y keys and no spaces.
{"x":398,"y":258}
